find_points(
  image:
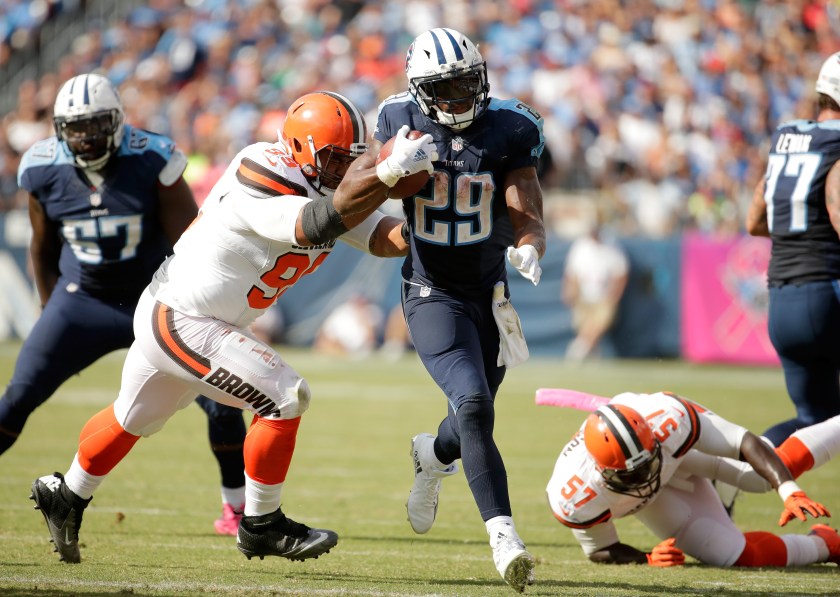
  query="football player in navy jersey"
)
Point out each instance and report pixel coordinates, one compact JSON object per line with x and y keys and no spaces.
{"x":797,"y":204}
{"x":107,"y":201}
{"x":483,"y":202}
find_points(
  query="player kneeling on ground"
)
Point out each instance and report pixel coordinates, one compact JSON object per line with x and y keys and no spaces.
{"x":646,"y":455}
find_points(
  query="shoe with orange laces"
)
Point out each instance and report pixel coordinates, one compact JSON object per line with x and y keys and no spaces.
{"x":831,"y":538}
{"x":228,"y":524}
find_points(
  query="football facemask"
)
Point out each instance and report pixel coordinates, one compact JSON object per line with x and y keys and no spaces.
{"x":88,"y":137}
{"x":325,"y":132}
{"x":642,"y":481}
{"x":624,"y":449}
{"x":88,"y":117}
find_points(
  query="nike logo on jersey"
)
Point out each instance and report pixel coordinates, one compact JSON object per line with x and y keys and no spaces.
{"x":234,"y":385}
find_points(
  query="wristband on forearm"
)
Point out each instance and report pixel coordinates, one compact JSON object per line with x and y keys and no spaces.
{"x":321,"y":221}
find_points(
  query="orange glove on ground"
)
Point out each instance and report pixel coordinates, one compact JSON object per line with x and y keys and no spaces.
{"x":666,"y":554}
{"x":798,"y":505}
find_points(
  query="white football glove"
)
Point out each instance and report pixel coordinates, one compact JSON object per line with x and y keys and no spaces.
{"x":513,"y":350}
{"x":409,"y":156}
{"x":526,"y":260}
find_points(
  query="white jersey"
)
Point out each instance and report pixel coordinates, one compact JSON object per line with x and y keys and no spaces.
{"x":581,"y":500}
{"x":240,"y":254}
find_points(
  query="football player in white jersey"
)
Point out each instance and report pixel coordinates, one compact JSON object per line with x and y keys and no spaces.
{"x":272,"y":218}
{"x":652,"y":455}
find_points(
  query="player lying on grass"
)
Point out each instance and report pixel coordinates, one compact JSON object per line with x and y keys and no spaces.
{"x":651,"y":455}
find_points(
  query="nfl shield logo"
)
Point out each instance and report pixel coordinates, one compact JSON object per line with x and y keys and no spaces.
{"x":96,"y":199}
{"x":457,"y":144}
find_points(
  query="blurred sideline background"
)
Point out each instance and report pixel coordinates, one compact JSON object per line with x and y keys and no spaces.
{"x":657,"y":115}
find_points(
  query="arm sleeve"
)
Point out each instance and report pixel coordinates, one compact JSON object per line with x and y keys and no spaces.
{"x":734,"y":472}
{"x":359,"y":237}
{"x":273,"y":218}
{"x":719,"y":436}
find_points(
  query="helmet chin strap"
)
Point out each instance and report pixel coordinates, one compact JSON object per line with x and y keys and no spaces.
{"x":451,"y":120}
{"x":96,"y":164}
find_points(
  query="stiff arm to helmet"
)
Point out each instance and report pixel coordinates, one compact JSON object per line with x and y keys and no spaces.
{"x":322,"y":221}
{"x":325,"y":132}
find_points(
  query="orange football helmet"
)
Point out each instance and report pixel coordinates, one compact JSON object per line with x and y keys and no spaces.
{"x":325,"y":132}
{"x":625,"y":451}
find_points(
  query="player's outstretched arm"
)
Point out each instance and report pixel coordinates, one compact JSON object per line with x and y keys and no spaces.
{"x":767,"y":463}
{"x":45,"y":249}
{"x":362,"y":190}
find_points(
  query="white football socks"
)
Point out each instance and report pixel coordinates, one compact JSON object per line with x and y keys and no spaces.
{"x":261,"y":498}
{"x":805,"y":549}
{"x":235,"y":496}
{"x":80,"y":482}
{"x":822,"y":440}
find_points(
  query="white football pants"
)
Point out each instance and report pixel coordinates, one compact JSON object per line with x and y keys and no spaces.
{"x":175,"y":357}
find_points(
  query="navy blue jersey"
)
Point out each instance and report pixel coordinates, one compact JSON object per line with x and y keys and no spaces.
{"x":805,"y":245}
{"x":113,"y":238}
{"x":459,"y":222}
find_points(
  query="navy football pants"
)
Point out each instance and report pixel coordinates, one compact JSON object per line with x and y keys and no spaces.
{"x":458,"y":342}
{"x":804,"y":326}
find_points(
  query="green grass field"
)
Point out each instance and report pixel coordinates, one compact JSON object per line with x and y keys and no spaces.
{"x":149,"y":529}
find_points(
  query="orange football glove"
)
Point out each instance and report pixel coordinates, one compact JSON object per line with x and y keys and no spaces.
{"x":798,"y":505}
{"x":666,"y":554}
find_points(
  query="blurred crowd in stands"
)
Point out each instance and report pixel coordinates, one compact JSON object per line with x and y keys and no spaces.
{"x":659,"y":108}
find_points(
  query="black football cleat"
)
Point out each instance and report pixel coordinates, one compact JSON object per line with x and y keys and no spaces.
{"x":275,"y":535}
{"x":62,"y":509}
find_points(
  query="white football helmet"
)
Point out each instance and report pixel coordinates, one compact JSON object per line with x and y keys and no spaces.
{"x":447,"y":77}
{"x":89,"y":117}
{"x":828,"y":81}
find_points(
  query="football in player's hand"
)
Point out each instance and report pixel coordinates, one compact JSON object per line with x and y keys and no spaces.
{"x":408,"y":185}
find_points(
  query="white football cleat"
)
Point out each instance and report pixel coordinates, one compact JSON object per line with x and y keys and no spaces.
{"x":512,"y":560}
{"x":423,"y":498}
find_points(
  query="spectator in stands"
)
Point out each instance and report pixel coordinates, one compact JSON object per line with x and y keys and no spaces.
{"x":594,"y":280}
{"x":698,"y":80}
